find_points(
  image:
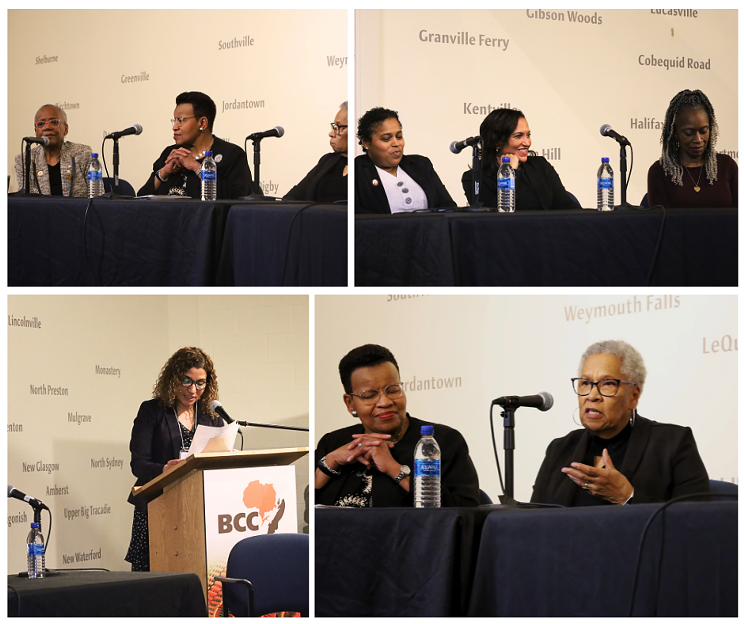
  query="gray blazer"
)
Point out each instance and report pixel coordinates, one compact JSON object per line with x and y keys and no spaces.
{"x":74,"y":160}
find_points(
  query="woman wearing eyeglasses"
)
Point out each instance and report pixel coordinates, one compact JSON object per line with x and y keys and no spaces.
{"x":59,"y":168}
{"x":327,"y":182}
{"x":164,"y":428}
{"x":618,"y":457}
{"x":370,"y":463}
{"x":176,"y":172}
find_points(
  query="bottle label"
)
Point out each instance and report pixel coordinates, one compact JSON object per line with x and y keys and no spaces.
{"x":604,"y":183}
{"x":93,"y":175}
{"x":426,"y":467}
{"x":35,"y":550}
{"x":209,"y":176}
{"x":506,"y":184}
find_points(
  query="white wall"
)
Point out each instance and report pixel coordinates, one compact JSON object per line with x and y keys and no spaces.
{"x":568,"y":78}
{"x":285,"y":71}
{"x":520,"y":345}
{"x":259,"y":345}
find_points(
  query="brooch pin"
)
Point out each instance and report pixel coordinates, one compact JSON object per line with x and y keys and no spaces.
{"x":375,"y":182}
{"x":218,"y":158}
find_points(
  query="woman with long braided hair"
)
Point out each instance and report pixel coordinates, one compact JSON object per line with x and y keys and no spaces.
{"x":690,"y":173}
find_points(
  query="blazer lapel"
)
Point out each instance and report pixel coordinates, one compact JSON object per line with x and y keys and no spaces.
{"x":564,"y":493}
{"x":40,"y":173}
{"x":637,"y":444}
{"x":538,"y":185}
{"x":174,"y":430}
{"x":377,"y":190}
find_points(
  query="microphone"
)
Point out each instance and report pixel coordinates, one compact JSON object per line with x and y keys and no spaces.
{"x":35,"y":503}
{"x":216,"y":406}
{"x":606,"y":130}
{"x":274,"y":132}
{"x":542,"y":401}
{"x":457,"y":146}
{"x":41,"y":140}
{"x":135,"y":129}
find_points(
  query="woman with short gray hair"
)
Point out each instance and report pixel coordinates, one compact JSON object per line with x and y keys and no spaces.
{"x":618,"y":457}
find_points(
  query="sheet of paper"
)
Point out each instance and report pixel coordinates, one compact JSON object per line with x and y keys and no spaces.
{"x":214,"y":439}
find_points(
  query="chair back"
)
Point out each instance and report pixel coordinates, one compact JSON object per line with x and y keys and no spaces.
{"x":124,"y":187}
{"x":723,"y":487}
{"x":644,"y":201}
{"x":277,"y":566}
{"x":485,"y":499}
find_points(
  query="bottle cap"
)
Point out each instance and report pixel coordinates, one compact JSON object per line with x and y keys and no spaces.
{"x":605,"y":159}
{"x":34,"y":525}
{"x":207,"y":153}
{"x":427,"y":430}
{"x":94,"y":155}
{"x":506,"y":159}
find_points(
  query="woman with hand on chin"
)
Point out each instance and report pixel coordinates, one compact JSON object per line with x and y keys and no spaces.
{"x":690,"y":174}
{"x":163,"y":431}
{"x":176,"y":172}
{"x":505,"y":132}
{"x":618,"y":457}
{"x":370,"y":464}
{"x":387,"y":180}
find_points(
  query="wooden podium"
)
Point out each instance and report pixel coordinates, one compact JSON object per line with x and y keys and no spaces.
{"x":176,"y":506}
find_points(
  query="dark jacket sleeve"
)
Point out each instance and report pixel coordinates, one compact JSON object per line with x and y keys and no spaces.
{"x":459,"y":477}
{"x":657,"y":193}
{"x":426,"y":176}
{"x":305,"y":189}
{"x":148,"y":188}
{"x":150,"y":445}
{"x":561,"y":198}
{"x":233,"y":174}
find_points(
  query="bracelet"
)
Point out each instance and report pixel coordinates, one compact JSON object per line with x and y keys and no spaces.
{"x":326,"y":469}
{"x":627,"y":502}
{"x":159,"y":177}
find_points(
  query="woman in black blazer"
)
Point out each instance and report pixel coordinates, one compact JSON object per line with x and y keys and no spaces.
{"x":505,"y":132}
{"x":387,"y":181}
{"x":618,"y":457}
{"x":164,"y":428}
{"x":327,"y":182}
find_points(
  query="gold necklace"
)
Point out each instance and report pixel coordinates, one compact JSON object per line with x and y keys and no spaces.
{"x":697,"y":184}
{"x":403,"y":429}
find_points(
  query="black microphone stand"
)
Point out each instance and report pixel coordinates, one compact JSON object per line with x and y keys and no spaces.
{"x":509,"y":422}
{"x":116,"y":166}
{"x":477,"y":205}
{"x":245,"y":423}
{"x":257,"y":160}
{"x":623,"y":176}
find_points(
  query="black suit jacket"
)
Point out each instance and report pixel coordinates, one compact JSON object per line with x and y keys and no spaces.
{"x":370,"y":198}
{"x":661,"y":463}
{"x":538,"y":187}
{"x":156,"y":440}
{"x":306,"y":189}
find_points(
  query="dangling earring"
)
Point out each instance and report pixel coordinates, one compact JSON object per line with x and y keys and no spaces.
{"x":354,"y":414}
{"x":201,"y":129}
{"x":632,"y":417}
{"x":573,"y":417}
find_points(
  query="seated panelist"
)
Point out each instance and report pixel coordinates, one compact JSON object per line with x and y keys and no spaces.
{"x":387,"y":181}
{"x":176,"y":172}
{"x":690,"y":174}
{"x":618,"y":457}
{"x":327,"y":182}
{"x":370,"y":463}
{"x":505,"y":132}
{"x":60,"y":168}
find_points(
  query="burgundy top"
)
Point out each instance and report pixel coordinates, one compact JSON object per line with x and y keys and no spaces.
{"x":723,"y":193}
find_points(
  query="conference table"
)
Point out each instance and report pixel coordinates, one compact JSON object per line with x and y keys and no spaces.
{"x":78,"y":593}
{"x":61,"y":241}
{"x":631,"y":247}
{"x":515,"y":562}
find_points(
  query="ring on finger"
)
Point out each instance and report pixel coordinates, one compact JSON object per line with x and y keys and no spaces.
{"x":359,"y":445}
{"x":586,"y":485}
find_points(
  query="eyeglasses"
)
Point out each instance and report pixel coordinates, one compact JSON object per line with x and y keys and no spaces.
{"x":52,"y":122}
{"x":606,"y":387}
{"x":370,"y":397}
{"x":178,"y":121}
{"x":337,"y":128}
{"x":187,"y":381}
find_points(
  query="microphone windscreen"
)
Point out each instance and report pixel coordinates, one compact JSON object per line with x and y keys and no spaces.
{"x":44,"y":141}
{"x":214,"y":405}
{"x":137,"y":128}
{"x":605,"y":129}
{"x":547,"y":401}
{"x":279,"y":131}
{"x":10,"y":491}
{"x":453,"y":147}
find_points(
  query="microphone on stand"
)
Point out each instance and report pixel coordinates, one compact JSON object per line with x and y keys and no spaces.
{"x":35,"y":503}
{"x":277,"y":132}
{"x":40,"y":140}
{"x":542,"y":401}
{"x":606,"y":130}
{"x":135,"y":129}
{"x":457,"y":146}
{"x":216,"y":406}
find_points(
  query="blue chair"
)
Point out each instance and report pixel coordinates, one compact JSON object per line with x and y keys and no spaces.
{"x":267,"y":574}
{"x":485,"y":499}
{"x":573,"y":197}
{"x":124,"y":187}
{"x":723,"y":487}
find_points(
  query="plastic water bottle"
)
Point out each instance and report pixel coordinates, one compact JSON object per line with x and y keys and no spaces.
{"x":35,"y":552}
{"x":605,"y":186}
{"x":208,"y":178}
{"x":506,"y":197}
{"x":427,"y":462}
{"x":95,"y":177}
